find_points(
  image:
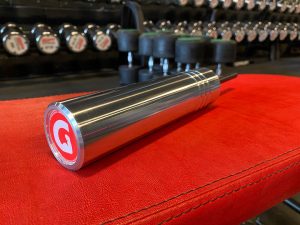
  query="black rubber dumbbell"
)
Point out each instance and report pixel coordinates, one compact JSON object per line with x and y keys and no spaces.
{"x":146,"y":49}
{"x":222,"y":52}
{"x":190,"y":51}
{"x":128,"y":43}
{"x":164,"y":49}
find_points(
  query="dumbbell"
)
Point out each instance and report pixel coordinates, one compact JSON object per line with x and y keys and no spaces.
{"x":293,"y":31}
{"x":181,"y":28}
{"x":128,"y":43}
{"x":175,"y":2}
{"x":75,"y":41}
{"x":46,"y":40}
{"x":146,"y":49}
{"x":238,"y":32}
{"x":164,"y":49}
{"x":220,"y":3}
{"x":282,"y":6}
{"x":198,"y":3}
{"x":111,"y":30}
{"x":14,"y":41}
{"x":210,"y":30}
{"x":149,"y":26}
{"x":251,"y":32}
{"x":273,"y":32}
{"x":251,"y":4}
{"x":214,"y":4}
{"x":297,"y":11}
{"x":272,"y":5}
{"x":262,"y":31}
{"x":99,"y":40}
{"x":239,"y":4}
{"x":222,"y":52}
{"x":283,"y":31}
{"x":164,"y":25}
{"x":190,"y":51}
{"x":224,"y":31}
{"x":291,"y":7}
{"x":262,"y":5}
{"x":196,"y":29}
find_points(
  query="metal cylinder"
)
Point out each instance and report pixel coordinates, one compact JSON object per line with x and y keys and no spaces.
{"x":82,"y":129}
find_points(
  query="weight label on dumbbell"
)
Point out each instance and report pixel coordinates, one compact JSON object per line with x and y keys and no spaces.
{"x":199,"y":2}
{"x":251,"y":4}
{"x":214,"y":3}
{"x":282,"y":35}
{"x":227,"y":3}
{"x":240,"y":4}
{"x":273,"y":35}
{"x":77,"y":43}
{"x":16,"y":44}
{"x":240,"y":35}
{"x":227,"y":35}
{"x":48,"y":44}
{"x":62,"y":136}
{"x":103,"y":42}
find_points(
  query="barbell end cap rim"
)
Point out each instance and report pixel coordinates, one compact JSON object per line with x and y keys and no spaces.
{"x":59,"y":110}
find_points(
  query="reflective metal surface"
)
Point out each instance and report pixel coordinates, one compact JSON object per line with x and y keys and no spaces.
{"x":104,"y":121}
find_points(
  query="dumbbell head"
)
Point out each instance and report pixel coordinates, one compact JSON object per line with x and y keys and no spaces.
{"x":128,"y":75}
{"x":223,"y":51}
{"x":128,"y":40}
{"x":190,"y":50}
{"x":145,"y":75}
{"x":146,"y":43}
{"x":164,"y":45}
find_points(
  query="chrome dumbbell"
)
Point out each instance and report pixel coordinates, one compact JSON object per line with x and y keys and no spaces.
{"x":196,"y":28}
{"x":211,"y":30}
{"x":282,"y":5}
{"x":224,"y":31}
{"x":272,"y":5}
{"x":293,"y":30}
{"x":199,"y":3}
{"x":46,"y":39}
{"x":238,"y":32}
{"x":99,"y":39}
{"x":75,"y":41}
{"x":14,"y":41}
{"x":251,"y":32}
{"x":283,"y":31}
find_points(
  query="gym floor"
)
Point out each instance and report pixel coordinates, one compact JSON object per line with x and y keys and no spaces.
{"x":45,"y":86}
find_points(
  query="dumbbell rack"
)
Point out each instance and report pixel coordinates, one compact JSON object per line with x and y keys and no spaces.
{"x":56,"y":12}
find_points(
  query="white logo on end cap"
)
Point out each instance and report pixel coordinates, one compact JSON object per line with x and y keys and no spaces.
{"x":66,"y":147}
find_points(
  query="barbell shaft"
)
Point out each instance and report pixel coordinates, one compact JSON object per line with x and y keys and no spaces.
{"x":83,"y":129}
